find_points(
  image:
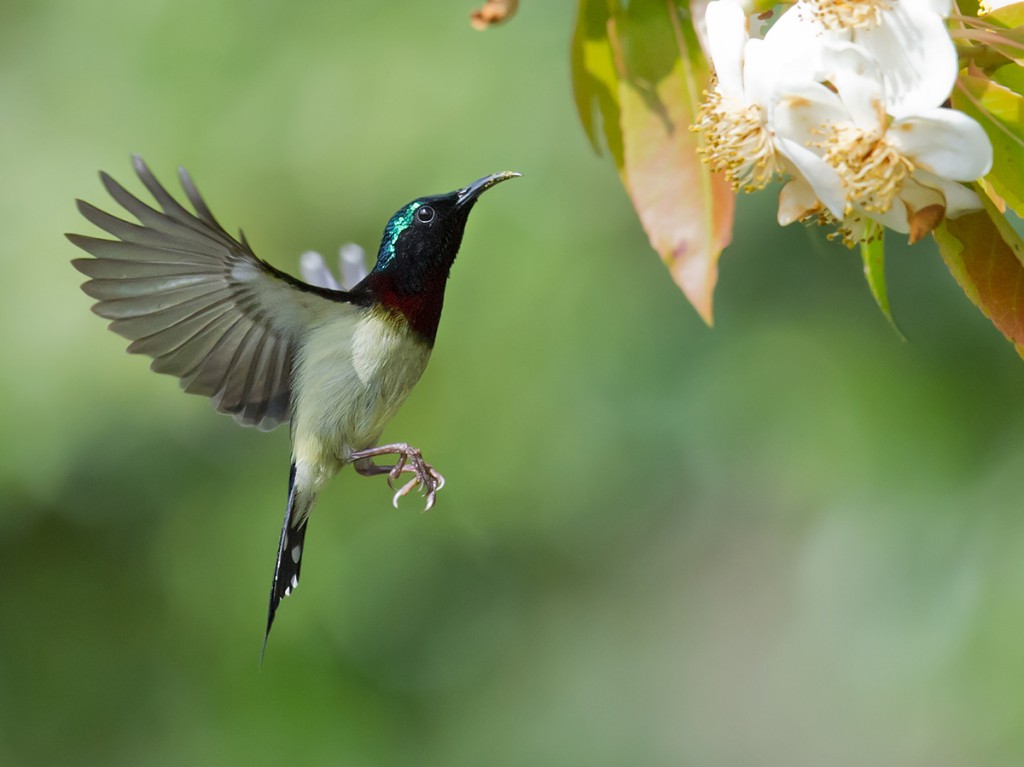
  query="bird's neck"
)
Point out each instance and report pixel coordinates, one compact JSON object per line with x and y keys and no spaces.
{"x":419,"y":305}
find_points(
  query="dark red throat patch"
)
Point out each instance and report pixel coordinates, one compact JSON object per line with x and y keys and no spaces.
{"x":421,"y":308}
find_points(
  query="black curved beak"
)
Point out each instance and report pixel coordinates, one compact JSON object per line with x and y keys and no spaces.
{"x":469,"y":193}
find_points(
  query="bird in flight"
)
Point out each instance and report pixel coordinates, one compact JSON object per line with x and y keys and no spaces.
{"x":268,"y":348}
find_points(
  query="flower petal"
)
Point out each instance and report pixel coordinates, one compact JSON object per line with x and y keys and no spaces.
{"x":916,"y":56}
{"x":945,"y":142}
{"x":895,"y":218}
{"x":796,"y":43}
{"x":959,"y":199}
{"x":916,"y":195}
{"x":803,"y":112}
{"x":815,"y":171}
{"x":856,"y":76}
{"x":727,"y":36}
{"x":939,"y":7}
{"x":924,"y":207}
{"x":760,"y":72}
{"x":797,"y":200}
{"x":795,"y":26}
{"x":771,"y":70}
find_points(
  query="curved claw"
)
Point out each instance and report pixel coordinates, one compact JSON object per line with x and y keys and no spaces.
{"x":404,"y":490}
{"x":409,"y":461}
{"x":429,"y":482}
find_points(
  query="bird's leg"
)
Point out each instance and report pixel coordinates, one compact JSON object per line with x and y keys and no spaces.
{"x":410,"y":460}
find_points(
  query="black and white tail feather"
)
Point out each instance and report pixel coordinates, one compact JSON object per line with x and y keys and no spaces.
{"x":289,"y":550}
{"x":208,"y":311}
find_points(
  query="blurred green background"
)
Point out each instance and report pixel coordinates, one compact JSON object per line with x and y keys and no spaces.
{"x":792,"y":540}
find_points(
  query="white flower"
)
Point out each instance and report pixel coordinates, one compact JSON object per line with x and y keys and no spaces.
{"x":908,"y":39}
{"x":751,"y":76}
{"x":901,"y":172}
{"x":840,"y":118}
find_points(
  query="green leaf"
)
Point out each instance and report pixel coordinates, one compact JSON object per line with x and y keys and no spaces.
{"x":1009,"y":16}
{"x":1003,"y":31}
{"x":1010,"y":76}
{"x":872,"y":252}
{"x":1012,"y":45}
{"x":595,"y":81}
{"x":982,"y":256}
{"x":1000,"y":111}
{"x":685,"y":209}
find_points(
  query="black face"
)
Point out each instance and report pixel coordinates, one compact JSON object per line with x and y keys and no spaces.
{"x":416,"y":253}
{"x":426,"y":232}
{"x":421,"y":240}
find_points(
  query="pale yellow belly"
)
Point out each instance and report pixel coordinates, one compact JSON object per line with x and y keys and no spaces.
{"x":350,"y":381}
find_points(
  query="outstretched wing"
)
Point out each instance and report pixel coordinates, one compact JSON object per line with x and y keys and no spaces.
{"x":199,"y":302}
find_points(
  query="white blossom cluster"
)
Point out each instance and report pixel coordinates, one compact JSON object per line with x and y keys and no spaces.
{"x":844,"y":97}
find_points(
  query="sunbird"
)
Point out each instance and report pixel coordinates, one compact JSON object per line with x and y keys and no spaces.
{"x":268,"y":348}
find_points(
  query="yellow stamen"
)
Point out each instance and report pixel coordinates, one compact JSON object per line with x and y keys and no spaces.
{"x":737,"y":141}
{"x":871,"y":169}
{"x":855,"y":229}
{"x":838,"y":15}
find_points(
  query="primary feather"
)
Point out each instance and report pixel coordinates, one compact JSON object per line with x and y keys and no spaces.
{"x":199,"y":302}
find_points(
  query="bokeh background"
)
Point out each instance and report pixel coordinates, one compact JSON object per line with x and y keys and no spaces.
{"x":790,"y":540}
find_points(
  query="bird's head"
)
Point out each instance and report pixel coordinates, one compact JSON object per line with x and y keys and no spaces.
{"x":421,"y":240}
{"x":416,"y":253}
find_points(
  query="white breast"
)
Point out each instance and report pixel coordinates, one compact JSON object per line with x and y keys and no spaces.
{"x":352,"y":375}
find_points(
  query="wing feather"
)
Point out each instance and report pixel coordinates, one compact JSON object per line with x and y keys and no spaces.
{"x":181,"y":335}
{"x":165,"y":308}
{"x":116,"y":290}
{"x":199,"y":203}
{"x":229,"y":398}
{"x":155,"y":240}
{"x":182,"y":350}
{"x":209,"y":373}
{"x":198,"y":301}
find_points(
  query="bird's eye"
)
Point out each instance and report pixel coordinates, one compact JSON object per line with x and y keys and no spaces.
{"x":424,"y":214}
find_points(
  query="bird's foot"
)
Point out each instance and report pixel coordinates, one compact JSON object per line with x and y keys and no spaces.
{"x":426,"y":477}
{"x":410,"y":461}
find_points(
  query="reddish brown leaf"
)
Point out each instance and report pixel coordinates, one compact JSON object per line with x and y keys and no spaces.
{"x":987,"y":269}
{"x":686,"y":210}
